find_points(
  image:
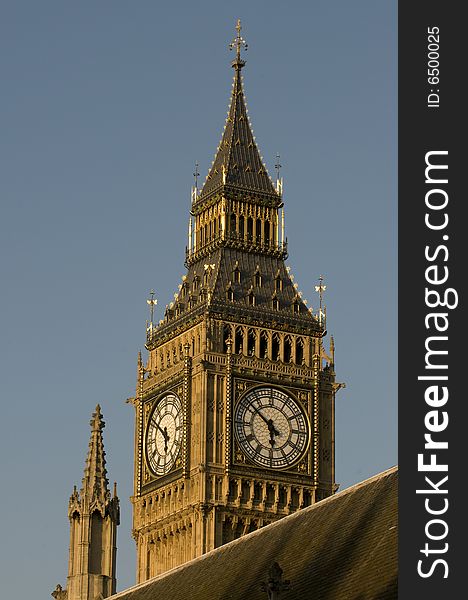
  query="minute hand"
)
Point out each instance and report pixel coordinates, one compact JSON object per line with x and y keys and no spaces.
{"x":163,"y":431}
{"x":269,"y":422}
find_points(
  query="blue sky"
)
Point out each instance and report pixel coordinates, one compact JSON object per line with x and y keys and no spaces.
{"x":104,"y":109}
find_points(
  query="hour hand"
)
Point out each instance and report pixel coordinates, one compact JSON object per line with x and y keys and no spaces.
{"x":273,"y":431}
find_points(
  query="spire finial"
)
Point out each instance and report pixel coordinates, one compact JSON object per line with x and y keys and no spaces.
{"x":97,"y":424}
{"x":279,"y":180}
{"x":320,"y":288}
{"x":277,"y":166}
{"x":238,"y":42}
{"x":196,"y":174}
{"x":151,"y":302}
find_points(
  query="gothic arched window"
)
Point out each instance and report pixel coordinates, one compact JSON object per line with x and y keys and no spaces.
{"x":299,"y":351}
{"x":241,"y":226}
{"x":257,"y":278}
{"x":278,"y":283}
{"x":227,"y":335}
{"x":251,"y":340}
{"x":264,"y":344}
{"x":266,"y":228}
{"x":239,"y":341}
{"x":232,"y":225}
{"x":250,"y":229}
{"x":275,"y":347}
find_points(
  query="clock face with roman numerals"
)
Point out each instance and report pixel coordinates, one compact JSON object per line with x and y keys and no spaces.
{"x":164,"y":434}
{"x":271,"y":428}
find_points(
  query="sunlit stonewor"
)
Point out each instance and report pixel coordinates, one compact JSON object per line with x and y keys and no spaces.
{"x":257,"y":383}
{"x":235,"y":420}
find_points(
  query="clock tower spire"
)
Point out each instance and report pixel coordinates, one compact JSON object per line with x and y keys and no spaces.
{"x":234,"y":424}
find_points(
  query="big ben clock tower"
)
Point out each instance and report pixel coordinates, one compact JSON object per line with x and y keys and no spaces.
{"x":234,"y":405}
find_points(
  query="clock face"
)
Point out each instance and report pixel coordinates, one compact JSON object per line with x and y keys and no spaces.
{"x":164,"y":434}
{"x":271,"y":428}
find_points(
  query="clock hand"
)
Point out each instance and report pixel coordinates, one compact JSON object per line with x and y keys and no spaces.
{"x":263,"y":416}
{"x":164,"y":434}
{"x":271,"y":428}
{"x":273,"y":431}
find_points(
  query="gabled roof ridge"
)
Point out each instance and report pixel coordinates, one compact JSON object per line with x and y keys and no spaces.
{"x":280,"y":522}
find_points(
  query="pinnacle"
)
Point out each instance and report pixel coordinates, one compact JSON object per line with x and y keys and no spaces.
{"x":95,"y":483}
{"x":97,"y":424}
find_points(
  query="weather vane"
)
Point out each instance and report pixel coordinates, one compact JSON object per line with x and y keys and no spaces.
{"x":320,"y":288}
{"x":152,"y":301}
{"x":238,"y":42}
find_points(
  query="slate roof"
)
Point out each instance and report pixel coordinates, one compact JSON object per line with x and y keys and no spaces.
{"x":342,"y":548}
{"x":237,"y":150}
{"x":211,"y":292}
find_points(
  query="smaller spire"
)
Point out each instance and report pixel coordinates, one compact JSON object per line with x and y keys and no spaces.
{"x":238,"y":43}
{"x":94,"y":516}
{"x":95,"y":484}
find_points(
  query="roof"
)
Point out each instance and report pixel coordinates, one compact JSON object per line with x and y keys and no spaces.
{"x":208,"y":282}
{"x":343,"y":547}
{"x":238,"y":162}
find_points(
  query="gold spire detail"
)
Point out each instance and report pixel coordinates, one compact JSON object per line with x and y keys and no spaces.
{"x":238,"y":43}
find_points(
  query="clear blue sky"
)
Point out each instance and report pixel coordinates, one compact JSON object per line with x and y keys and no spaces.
{"x":105,"y":107}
